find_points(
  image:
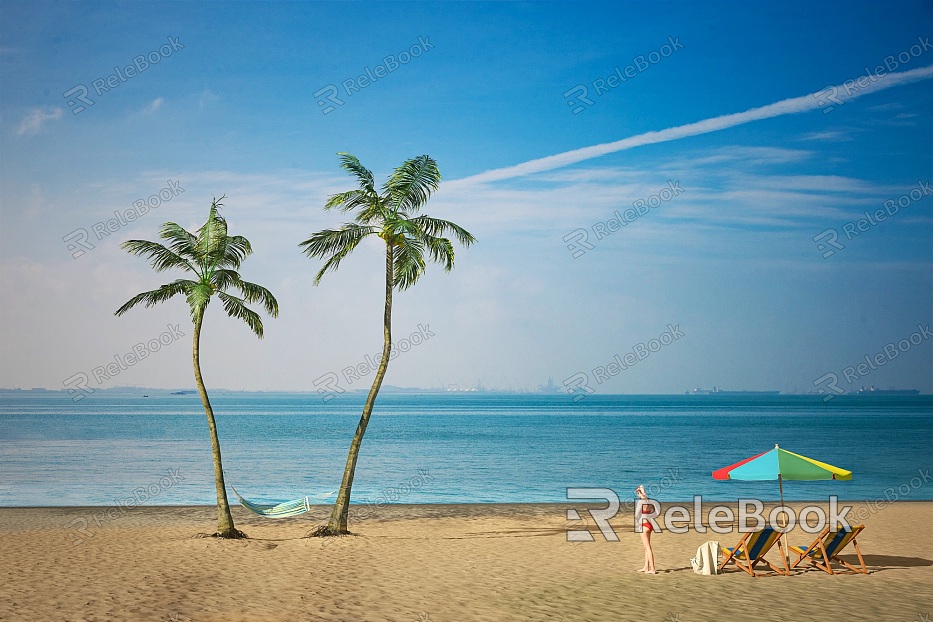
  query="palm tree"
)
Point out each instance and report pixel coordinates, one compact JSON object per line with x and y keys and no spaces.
{"x":213,"y":257}
{"x":392,"y":215}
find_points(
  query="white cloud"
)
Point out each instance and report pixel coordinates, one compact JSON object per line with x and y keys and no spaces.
{"x":742,"y":155}
{"x":33,"y":121}
{"x":828,"y":136}
{"x":890,"y":106}
{"x":207,"y":97}
{"x":154,"y":106}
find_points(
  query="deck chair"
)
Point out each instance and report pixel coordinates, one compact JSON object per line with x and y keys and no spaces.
{"x":752,"y":549}
{"x":827,"y":546}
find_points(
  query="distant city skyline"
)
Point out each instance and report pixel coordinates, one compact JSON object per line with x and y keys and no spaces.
{"x":540,"y":390}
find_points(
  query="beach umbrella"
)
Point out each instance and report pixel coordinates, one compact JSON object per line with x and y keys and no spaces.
{"x":780,"y":464}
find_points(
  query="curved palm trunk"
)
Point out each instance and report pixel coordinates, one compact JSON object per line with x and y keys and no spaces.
{"x":225,"y":527}
{"x":338,"y":518}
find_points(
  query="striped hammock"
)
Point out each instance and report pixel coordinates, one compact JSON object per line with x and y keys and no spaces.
{"x":284,"y":509}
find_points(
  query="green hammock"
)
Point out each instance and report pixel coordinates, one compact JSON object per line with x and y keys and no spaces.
{"x":284,"y":509}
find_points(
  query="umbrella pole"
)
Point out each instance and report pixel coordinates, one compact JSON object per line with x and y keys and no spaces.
{"x":784,"y":517}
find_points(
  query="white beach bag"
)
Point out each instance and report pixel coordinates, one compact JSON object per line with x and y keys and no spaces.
{"x":706,"y":561}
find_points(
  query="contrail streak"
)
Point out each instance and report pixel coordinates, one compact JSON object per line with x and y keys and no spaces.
{"x":793,"y":105}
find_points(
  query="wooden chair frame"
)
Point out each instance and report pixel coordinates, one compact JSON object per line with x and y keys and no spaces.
{"x":827,"y":557}
{"x":736,"y":554}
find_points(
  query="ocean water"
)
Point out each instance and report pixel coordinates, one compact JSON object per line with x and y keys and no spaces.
{"x":450,"y":448}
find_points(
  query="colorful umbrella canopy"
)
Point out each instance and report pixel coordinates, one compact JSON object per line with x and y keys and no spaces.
{"x":780,"y":464}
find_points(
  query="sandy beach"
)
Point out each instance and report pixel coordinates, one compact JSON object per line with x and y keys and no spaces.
{"x":426,"y":562}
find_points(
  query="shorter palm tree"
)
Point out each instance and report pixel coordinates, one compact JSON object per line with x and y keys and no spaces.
{"x":213,"y":257}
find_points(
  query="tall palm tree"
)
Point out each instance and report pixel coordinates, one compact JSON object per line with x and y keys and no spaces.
{"x":390,"y":214}
{"x":213,"y":258}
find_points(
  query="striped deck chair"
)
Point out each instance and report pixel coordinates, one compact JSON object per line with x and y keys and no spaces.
{"x":827,"y":546}
{"x":752,"y":549}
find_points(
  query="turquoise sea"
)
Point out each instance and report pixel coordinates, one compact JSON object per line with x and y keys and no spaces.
{"x":450,"y":447}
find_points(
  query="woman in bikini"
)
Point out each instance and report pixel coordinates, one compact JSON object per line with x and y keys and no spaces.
{"x":645,"y":531}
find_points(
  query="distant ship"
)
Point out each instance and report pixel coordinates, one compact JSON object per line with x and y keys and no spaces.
{"x":718,"y":391}
{"x":874,"y":391}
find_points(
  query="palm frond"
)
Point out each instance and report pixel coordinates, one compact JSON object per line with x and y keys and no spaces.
{"x":342,"y":198}
{"x":352,"y":199}
{"x":438,"y":227}
{"x":329,"y":241}
{"x":373,"y":213}
{"x":440,"y":250}
{"x":236,"y":307}
{"x":212,"y":234}
{"x":333,"y":262}
{"x":198,"y":297}
{"x":351,"y":164}
{"x":257,"y":293}
{"x":409,"y":263}
{"x":400,"y":225}
{"x":160,"y":257}
{"x":236,"y":248}
{"x":335,"y":243}
{"x":411,"y":184}
{"x":224,"y":278}
{"x":180,"y":240}
{"x":154,"y":297}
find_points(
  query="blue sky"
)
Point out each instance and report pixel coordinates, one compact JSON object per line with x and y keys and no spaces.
{"x":730,"y":261}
